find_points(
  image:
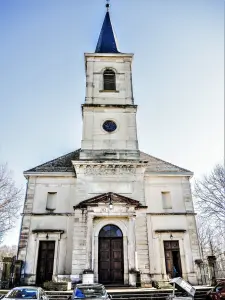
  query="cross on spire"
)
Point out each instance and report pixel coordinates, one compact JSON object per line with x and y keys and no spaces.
{"x":107,"y":5}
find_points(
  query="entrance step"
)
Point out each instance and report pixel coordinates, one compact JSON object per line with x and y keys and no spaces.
{"x":130,"y":293}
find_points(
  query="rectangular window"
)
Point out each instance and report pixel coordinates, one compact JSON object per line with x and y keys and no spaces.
{"x":166,"y":200}
{"x":109,"y":78}
{"x":51,"y":201}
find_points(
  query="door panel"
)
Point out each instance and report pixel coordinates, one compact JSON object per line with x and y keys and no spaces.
{"x":169,"y":263}
{"x":111,"y":260}
{"x":117,"y":260}
{"x":104,"y":260}
{"x":45,"y":261}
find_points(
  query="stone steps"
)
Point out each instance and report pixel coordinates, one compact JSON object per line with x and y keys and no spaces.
{"x":133,"y":294}
{"x":129,"y":294}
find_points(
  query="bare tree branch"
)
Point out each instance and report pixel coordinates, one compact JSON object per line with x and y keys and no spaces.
{"x":210,"y":195}
{"x":10,"y":201}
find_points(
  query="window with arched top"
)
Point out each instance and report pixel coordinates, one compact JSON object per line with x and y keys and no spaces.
{"x":110,"y":231}
{"x":109,"y":78}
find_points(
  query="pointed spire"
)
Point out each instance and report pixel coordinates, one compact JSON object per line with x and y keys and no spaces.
{"x":107,"y":40}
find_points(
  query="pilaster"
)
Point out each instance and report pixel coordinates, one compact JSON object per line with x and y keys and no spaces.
{"x":79,"y":256}
{"x":89,"y":240}
{"x":131,"y":242}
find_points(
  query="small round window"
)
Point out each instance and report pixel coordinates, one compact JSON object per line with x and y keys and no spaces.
{"x":109,"y":126}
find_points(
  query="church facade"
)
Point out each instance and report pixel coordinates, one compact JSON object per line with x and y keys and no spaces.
{"x":108,"y":208}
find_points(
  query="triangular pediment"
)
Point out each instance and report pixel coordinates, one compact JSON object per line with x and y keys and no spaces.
{"x":108,"y":198}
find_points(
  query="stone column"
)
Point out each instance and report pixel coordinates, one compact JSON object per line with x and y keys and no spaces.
{"x":212,"y":269}
{"x":89,"y":241}
{"x":199,"y":263}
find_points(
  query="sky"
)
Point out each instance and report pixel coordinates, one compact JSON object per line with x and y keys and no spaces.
{"x":178,"y":78}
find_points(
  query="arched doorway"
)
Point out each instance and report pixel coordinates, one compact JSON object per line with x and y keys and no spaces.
{"x":110,"y":255}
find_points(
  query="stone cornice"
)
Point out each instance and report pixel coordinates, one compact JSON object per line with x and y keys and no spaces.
{"x":109,"y":105}
{"x":168,"y":173}
{"x":109,"y":167}
{"x":115,"y":55}
{"x":169,"y":230}
{"x":47,"y":214}
{"x":140,"y":207}
{"x":49,"y":174}
{"x":47,"y":231}
{"x":173,"y":214}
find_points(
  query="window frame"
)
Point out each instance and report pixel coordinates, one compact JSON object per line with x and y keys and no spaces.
{"x":49,"y":202}
{"x":166,"y":200}
{"x":109,"y":78}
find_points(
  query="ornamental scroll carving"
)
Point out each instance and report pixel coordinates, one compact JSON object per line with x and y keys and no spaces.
{"x":109,"y":170}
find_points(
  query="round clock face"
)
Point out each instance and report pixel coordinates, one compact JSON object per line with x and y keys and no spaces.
{"x":109,"y":126}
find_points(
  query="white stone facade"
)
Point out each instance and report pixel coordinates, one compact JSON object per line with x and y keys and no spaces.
{"x":109,"y":164}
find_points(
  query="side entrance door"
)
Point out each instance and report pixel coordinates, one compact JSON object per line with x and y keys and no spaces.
{"x":45,"y":261}
{"x":110,"y":266}
{"x":172,"y":258}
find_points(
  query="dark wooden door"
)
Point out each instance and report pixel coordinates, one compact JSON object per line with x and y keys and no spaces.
{"x":45,"y":261}
{"x":111,"y":260}
{"x":172,"y":259}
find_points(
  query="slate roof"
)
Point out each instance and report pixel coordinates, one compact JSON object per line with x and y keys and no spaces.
{"x":158,"y":165}
{"x":107,"y":40}
{"x":60,"y":164}
{"x":64,"y":164}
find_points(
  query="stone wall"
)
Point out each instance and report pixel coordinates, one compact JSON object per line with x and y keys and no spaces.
{"x":79,"y":244}
{"x":95,"y":66}
{"x":142,"y":248}
{"x":26,"y":223}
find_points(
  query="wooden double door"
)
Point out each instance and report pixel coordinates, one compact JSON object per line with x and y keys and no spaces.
{"x":172,"y":257}
{"x":111,"y":260}
{"x":110,"y":263}
{"x":45,"y":261}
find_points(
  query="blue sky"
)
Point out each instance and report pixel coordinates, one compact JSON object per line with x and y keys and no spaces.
{"x":178,"y":75}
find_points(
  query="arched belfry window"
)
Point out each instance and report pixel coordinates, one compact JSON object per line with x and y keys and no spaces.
{"x":109,"y":78}
{"x":110,"y":231}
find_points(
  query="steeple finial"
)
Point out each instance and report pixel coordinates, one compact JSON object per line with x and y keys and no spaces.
{"x":107,"y":5}
{"x":107,"y":39}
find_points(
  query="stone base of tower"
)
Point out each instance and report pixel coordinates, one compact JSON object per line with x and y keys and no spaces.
{"x":109,"y":154}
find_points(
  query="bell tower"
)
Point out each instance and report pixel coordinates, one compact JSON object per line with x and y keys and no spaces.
{"x":109,"y":113}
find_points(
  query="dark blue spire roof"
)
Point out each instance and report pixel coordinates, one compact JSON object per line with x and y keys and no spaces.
{"x":107,"y":40}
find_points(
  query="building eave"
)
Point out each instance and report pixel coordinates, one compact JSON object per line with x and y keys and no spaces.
{"x":170,"y":174}
{"x":116,"y":55}
{"x":48,"y":174}
{"x":170,"y":230}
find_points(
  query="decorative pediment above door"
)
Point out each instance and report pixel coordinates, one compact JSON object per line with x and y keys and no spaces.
{"x":110,"y":199}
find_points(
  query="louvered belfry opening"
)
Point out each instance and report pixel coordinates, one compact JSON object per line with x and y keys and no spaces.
{"x":109,"y":78}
